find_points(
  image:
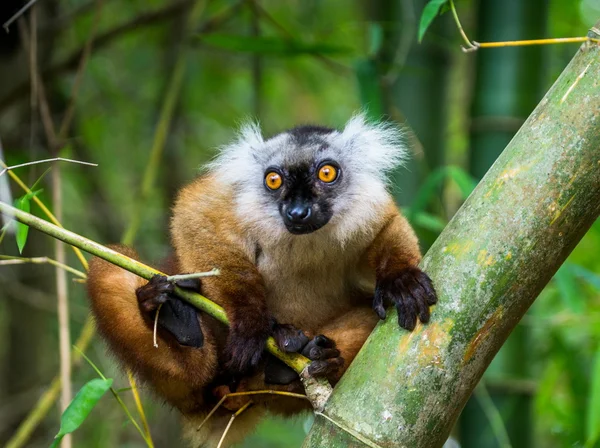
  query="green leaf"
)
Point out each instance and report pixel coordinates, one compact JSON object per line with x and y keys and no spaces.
{"x":375,"y":38}
{"x":593,"y":408}
{"x":24,"y":203}
{"x":81,"y":406}
{"x":432,"y":184}
{"x":369,"y":88}
{"x":428,"y":221}
{"x":273,"y":46}
{"x":588,"y":276}
{"x":465,"y":182}
{"x":429,"y":13}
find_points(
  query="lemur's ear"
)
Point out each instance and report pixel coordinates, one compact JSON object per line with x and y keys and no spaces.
{"x":380,"y":145}
{"x":235,"y":157}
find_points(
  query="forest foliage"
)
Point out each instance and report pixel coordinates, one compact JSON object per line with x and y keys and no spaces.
{"x":160,"y":89}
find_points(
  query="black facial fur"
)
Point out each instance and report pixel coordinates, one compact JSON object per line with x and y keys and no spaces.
{"x":308,"y":133}
{"x":305,"y":202}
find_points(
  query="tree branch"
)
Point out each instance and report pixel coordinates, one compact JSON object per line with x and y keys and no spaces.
{"x":489,"y":264}
{"x":316,"y":390}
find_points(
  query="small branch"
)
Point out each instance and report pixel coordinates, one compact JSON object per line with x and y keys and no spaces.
{"x":239,"y":411}
{"x":470,"y":46}
{"x":45,"y":209}
{"x":138,"y":404}
{"x":45,"y":403}
{"x":315,"y":388}
{"x":179,"y":277}
{"x":155,"y":331}
{"x":521,"y":43}
{"x":244,"y":394}
{"x":10,"y":260}
{"x":18,"y":14}
{"x":36,"y":162}
{"x":115,"y":394}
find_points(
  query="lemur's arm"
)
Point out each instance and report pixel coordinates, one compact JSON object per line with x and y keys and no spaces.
{"x":177,"y":372}
{"x":394,"y":255}
{"x":206,"y":235}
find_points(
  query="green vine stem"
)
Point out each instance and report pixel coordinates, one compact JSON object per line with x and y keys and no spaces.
{"x":317,"y":390}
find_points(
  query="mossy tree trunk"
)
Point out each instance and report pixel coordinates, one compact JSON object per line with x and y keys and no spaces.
{"x":507,"y":87}
{"x":490,"y":263}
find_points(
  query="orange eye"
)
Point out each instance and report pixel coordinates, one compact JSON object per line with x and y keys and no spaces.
{"x":273,"y":180}
{"x":328,"y":173}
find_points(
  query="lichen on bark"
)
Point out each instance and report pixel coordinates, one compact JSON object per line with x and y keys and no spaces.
{"x":489,"y":264}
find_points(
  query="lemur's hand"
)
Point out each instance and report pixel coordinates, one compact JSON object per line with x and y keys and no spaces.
{"x":320,"y":350}
{"x":176,"y":316}
{"x":411,"y":291}
{"x":324,"y":356}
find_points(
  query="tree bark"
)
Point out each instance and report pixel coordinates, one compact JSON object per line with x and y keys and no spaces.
{"x":489,"y":264}
{"x":507,"y":86}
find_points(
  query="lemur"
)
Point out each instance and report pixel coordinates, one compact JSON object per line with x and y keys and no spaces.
{"x":311,"y":248}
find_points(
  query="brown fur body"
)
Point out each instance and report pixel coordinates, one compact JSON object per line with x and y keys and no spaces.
{"x":326,"y":282}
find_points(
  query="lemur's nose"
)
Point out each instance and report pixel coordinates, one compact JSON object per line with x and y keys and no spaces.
{"x":298,"y":213}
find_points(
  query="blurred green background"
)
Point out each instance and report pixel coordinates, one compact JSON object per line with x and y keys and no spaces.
{"x":283,"y":63}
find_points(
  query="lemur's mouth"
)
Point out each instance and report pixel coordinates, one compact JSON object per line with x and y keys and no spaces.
{"x":303,"y":229}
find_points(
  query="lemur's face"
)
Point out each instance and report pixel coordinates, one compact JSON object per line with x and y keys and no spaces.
{"x":305,"y":193}
{"x":310,"y":178}
{"x":306,"y":181}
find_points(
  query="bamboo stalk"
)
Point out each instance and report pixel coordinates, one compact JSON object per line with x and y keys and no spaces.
{"x":316,"y":389}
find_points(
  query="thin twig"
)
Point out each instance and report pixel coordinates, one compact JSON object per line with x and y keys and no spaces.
{"x":114,"y":392}
{"x":44,"y":107}
{"x":246,"y":393}
{"x":550,"y":41}
{"x":18,"y":14}
{"x":46,"y":402}
{"x":62,"y":304}
{"x":179,"y":277}
{"x":239,"y":411}
{"x":138,"y":404}
{"x":470,"y":46}
{"x":44,"y":209}
{"x":36,"y":162}
{"x":294,"y":360}
{"x":154,"y":333}
{"x":10,"y":260}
